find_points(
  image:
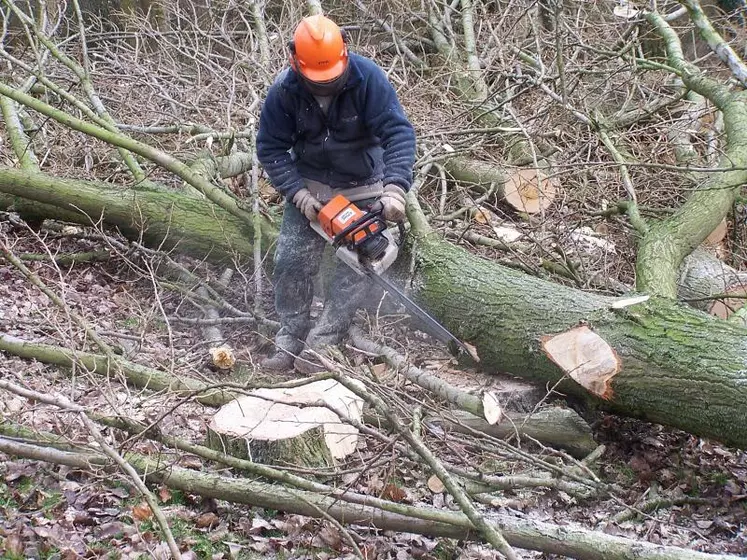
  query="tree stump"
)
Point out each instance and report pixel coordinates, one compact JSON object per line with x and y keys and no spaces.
{"x":302,"y":426}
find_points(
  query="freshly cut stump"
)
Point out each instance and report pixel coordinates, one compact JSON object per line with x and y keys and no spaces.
{"x":301,"y":426}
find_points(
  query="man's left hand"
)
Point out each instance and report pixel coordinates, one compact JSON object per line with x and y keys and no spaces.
{"x":393,"y":203}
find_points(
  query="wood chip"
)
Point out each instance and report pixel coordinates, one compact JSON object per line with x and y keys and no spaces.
{"x":491,"y":408}
{"x":627,"y":302}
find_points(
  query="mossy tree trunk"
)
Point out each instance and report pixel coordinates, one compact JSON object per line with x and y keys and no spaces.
{"x":162,"y":218}
{"x":677,"y":366}
{"x":667,"y":243}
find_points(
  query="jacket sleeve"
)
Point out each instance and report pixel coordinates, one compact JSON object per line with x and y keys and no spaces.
{"x":383,"y":114}
{"x":274,"y":140}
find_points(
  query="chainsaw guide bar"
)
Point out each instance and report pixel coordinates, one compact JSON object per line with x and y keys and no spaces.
{"x":363,"y":242}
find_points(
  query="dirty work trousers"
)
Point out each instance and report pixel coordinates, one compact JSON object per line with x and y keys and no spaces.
{"x":298,"y":256}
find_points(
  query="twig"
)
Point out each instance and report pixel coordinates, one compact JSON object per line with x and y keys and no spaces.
{"x":634,"y":215}
{"x":400,"y":45}
{"x":566,"y":540}
{"x":716,"y":41}
{"x":657,"y":504}
{"x":82,"y":413}
{"x":314,"y":7}
{"x":343,"y":531}
{"x":491,"y":534}
{"x":440,"y":388}
{"x":211,"y":191}
{"x":464,"y":209}
{"x":20,"y":143}
{"x":36,"y":281}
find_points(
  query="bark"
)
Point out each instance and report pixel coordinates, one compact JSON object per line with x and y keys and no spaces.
{"x":675,"y":365}
{"x":557,"y":427}
{"x":705,"y":280}
{"x":161,"y":218}
{"x":305,"y":450}
{"x":668,"y":242}
{"x":570,"y":541}
{"x":135,"y":374}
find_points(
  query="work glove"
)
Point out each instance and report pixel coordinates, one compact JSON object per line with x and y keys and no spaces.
{"x":393,"y":203}
{"x":307,"y":204}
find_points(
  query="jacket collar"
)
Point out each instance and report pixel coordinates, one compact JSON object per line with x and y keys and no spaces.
{"x":292,"y":82}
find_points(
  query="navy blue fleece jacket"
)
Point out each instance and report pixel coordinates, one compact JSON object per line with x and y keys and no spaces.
{"x":365,"y":136}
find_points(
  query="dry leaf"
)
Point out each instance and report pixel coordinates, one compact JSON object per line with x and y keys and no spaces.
{"x":435,"y":485}
{"x":13,"y":545}
{"x":164,"y":493}
{"x":394,"y":493}
{"x":141,"y":512}
{"x":207,"y":521}
{"x":330,"y":535}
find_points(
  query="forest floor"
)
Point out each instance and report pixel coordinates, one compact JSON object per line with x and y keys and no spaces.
{"x":49,"y":511}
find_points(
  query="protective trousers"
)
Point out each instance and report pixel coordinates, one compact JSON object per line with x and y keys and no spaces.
{"x":298,"y":257}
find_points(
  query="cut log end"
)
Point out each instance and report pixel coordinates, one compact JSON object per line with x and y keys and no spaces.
{"x":585,"y":357}
{"x":530,"y":191}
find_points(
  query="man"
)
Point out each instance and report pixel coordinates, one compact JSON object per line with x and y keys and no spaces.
{"x":331,"y":124}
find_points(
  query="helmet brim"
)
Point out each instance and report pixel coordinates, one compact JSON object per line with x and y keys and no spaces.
{"x":326,"y":75}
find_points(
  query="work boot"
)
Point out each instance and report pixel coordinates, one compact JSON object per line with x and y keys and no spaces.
{"x":279,"y":361}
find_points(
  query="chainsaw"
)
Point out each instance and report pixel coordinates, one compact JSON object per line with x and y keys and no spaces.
{"x":363,"y":242}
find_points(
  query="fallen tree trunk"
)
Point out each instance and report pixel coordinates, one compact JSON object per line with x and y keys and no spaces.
{"x":658,"y":360}
{"x":670,"y":364}
{"x":161,"y":218}
{"x":668,"y":242}
{"x":135,"y":374}
{"x":573,"y":542}
{"x":557,"y":427}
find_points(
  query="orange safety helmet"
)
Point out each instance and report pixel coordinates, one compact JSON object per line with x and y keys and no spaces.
{"x":318,"y":49}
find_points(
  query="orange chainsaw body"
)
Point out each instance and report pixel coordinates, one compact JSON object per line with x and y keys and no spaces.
{"x":338,"y":214}
{"x":361,"y":239}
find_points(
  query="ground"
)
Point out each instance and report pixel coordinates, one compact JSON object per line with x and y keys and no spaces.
{"x":49,"y":511}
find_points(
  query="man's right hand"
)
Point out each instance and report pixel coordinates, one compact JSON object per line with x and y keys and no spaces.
{"x":307,"y":204}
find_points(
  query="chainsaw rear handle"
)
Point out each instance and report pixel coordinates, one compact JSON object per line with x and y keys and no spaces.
{"x":377,"y":208}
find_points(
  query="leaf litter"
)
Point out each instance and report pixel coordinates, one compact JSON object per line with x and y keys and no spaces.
{"x":49,"y":511}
